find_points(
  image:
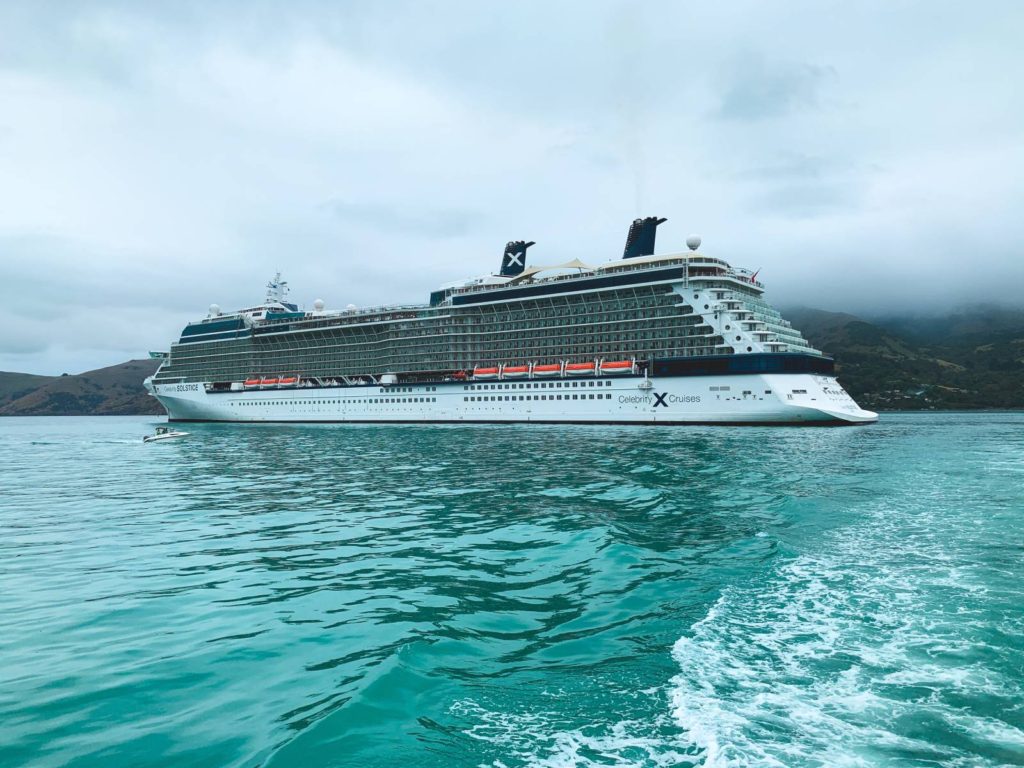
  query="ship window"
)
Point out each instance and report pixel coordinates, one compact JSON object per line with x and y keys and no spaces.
{"x":767,"y":391}
{"x":749,"y":349}
{"x":575,"y":397}
{"x":591,"y":395}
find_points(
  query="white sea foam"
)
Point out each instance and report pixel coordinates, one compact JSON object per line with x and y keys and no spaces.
{"x":533,"y":739}
{"x":818,"y":663}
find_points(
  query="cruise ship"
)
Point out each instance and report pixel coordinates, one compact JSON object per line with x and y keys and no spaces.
{"x":676,"y":338}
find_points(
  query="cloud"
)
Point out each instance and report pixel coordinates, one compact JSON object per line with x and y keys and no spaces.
{"x":758,"y":89}
{"x":157,"y":158}
{"x":390,"y":218}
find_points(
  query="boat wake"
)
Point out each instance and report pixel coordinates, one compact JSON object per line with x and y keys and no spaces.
{"x":873,"y":652}
{"x":534,"y":739}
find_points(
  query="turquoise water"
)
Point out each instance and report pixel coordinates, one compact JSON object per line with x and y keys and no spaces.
{"x":512,"y":596}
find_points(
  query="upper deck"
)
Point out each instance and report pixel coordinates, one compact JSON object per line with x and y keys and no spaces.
{"x":535,"y":282}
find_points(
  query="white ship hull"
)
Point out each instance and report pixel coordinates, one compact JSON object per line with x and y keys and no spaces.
{"x":738,"y":399}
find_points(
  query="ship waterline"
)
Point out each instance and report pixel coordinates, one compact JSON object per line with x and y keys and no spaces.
{"x":678,"y":338}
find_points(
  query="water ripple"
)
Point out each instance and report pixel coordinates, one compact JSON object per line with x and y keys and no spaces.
{"x":512,"y":596}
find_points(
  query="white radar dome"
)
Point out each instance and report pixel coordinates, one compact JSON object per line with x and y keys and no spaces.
{"x":351,"y":307}
{"x":318,"y":305}
{"x":214,"y":310}
{"x":693,"y":242}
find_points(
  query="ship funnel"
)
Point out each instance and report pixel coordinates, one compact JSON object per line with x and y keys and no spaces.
{"x":640,"y":240}
{"x":514,"y":260}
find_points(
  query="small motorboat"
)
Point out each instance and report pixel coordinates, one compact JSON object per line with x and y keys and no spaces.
{"x":554,"y":369}
{"x":617,"y":366}
{"x":163,"y":433}
{"x":485,"y":373}
{"x":579,"y":369}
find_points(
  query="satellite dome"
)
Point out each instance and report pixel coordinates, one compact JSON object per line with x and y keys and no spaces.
{"x":318,"y":305}
{"x":351,"y":307}
{"x":214,"y":310}
{"x":693,"y":242}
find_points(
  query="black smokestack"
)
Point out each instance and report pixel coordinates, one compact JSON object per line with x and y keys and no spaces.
{"x":514,"y":260}
{"x":640,"y":240}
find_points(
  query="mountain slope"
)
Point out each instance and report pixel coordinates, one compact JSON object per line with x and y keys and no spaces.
{"x":977,"y":362}
{"x":16,"y":385}
{"x":116,"y":390}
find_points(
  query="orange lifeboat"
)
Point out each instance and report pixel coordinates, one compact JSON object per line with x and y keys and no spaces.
{"x":579,"y":369}
{"x":250,"y":383}
{"x":270,"y":381}
{"x":288,"y":381}
{"x":547,"y":370}
{"x":485,"y":373}
{"x":515,"y":371}
{"x":617,"y":366}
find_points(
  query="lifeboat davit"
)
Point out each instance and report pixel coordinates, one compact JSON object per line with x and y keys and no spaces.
{"x":288,"y":381}
{"x":269,"y":382}
{"x":579,"y":369}
{"x":547,"y":370}
{"x":251,"y":383}
{"x":515,"y":371}
{"x":617,"y":366}
{"x":485,"y":373}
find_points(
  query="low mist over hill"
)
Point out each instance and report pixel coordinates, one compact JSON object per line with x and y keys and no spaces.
{"x":967,"y":359}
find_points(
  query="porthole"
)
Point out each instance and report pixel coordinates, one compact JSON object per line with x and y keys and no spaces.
{"x":749,"y":349}
{"x":739,"y":338}
{"x":706,"y":306}
{"x":728,"y":327}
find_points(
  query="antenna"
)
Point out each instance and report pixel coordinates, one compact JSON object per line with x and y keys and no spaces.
{"x":277,"y":289}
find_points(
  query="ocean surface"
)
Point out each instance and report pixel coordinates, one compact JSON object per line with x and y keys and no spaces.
{"x":332,"y":595}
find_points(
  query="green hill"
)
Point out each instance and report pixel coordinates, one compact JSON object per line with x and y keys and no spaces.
{"x":116,"y":390}
{"x":967,"y":360}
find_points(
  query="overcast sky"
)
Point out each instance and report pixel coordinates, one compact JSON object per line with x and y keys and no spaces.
{"x":155,"y":158}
